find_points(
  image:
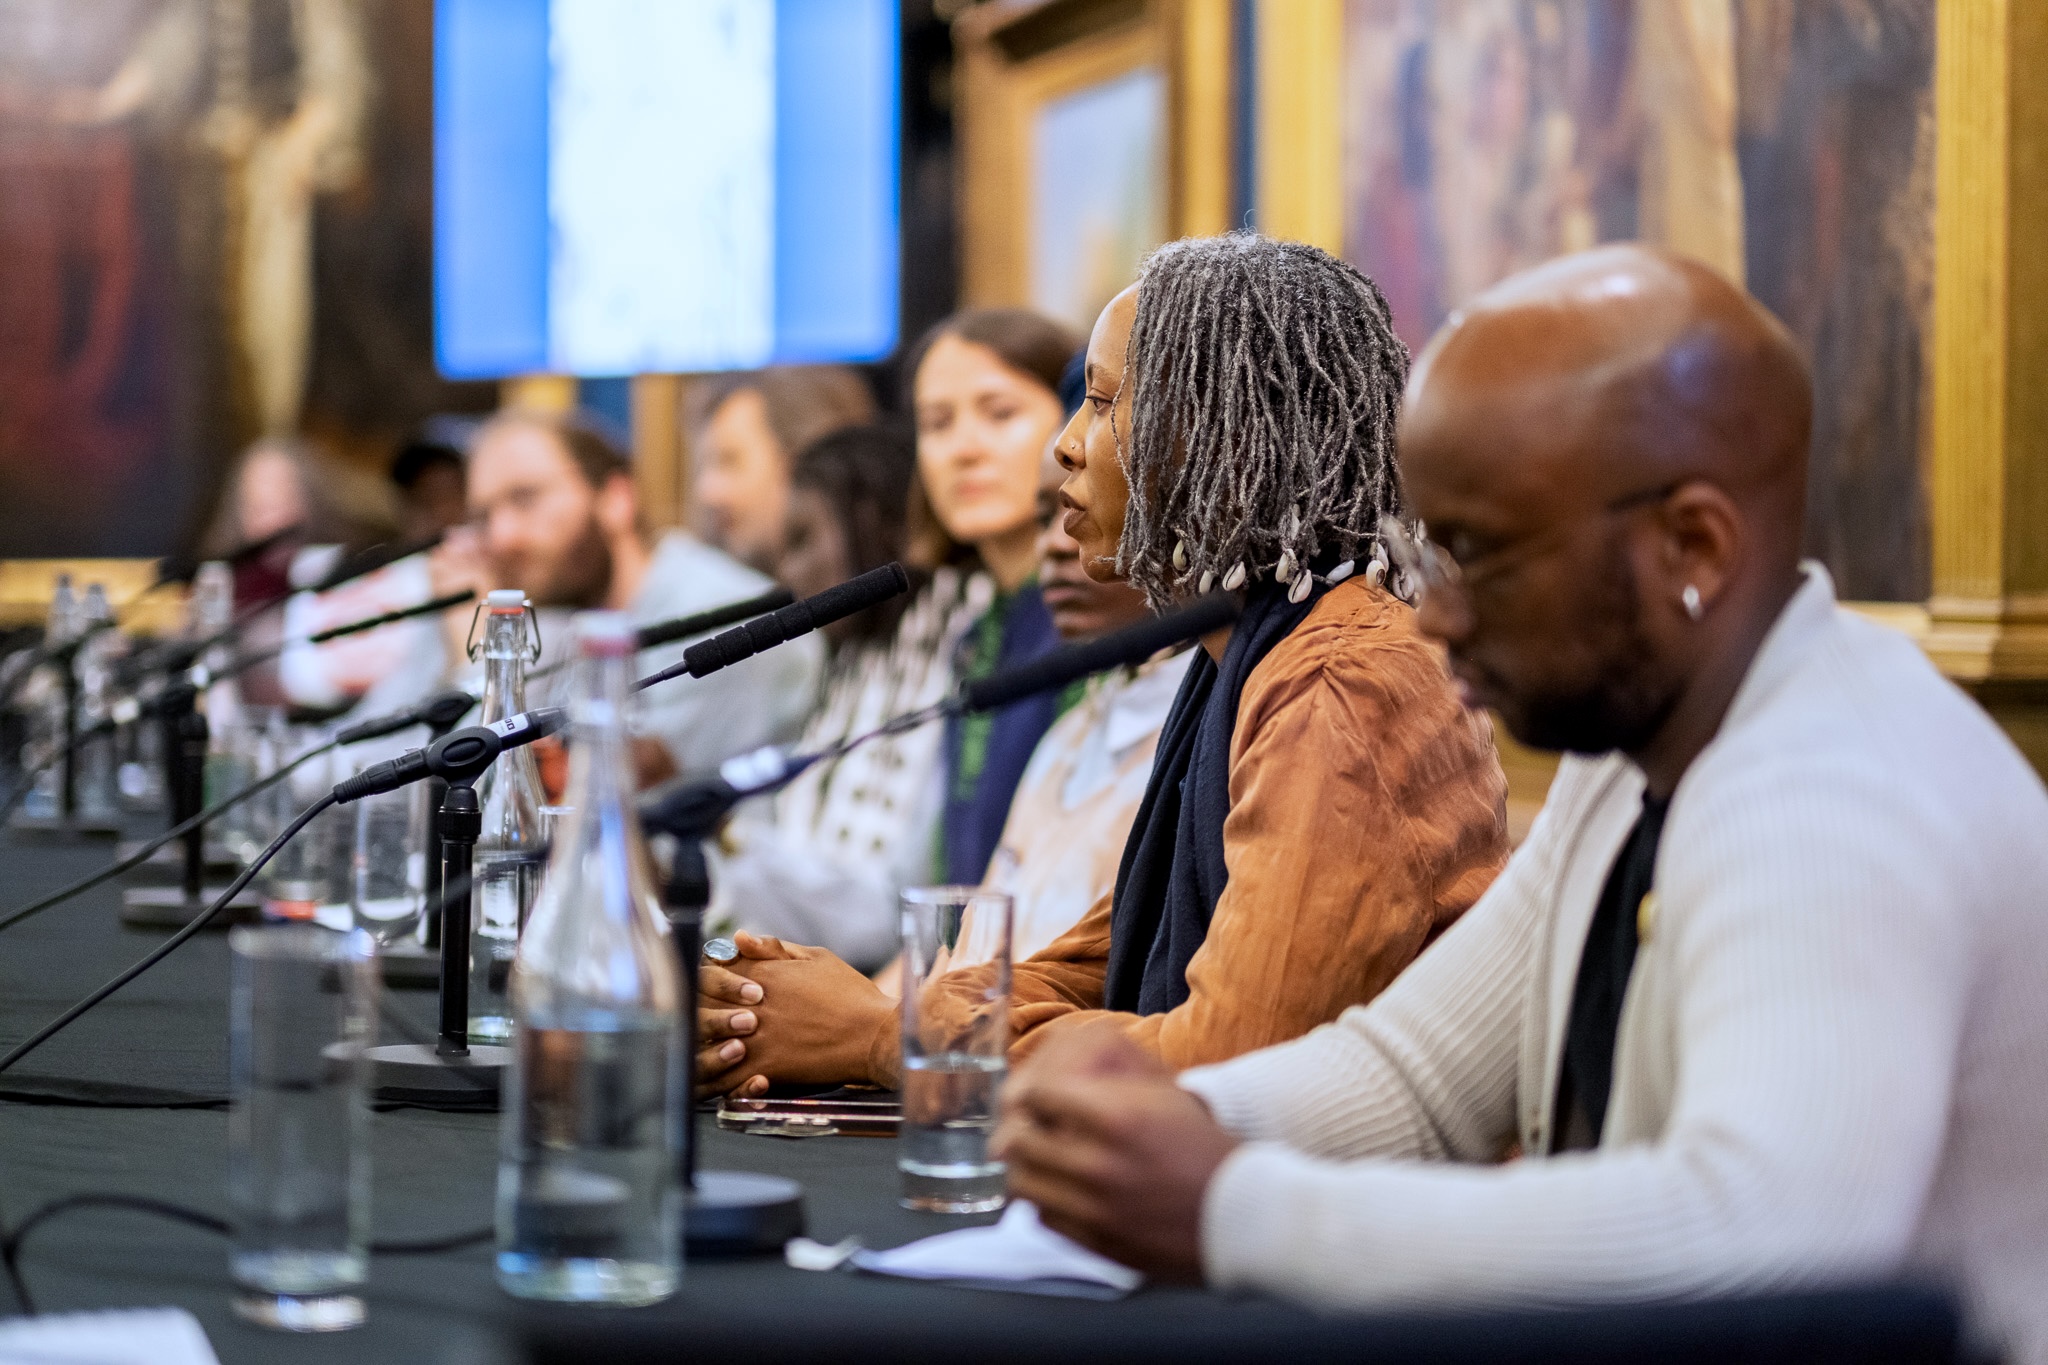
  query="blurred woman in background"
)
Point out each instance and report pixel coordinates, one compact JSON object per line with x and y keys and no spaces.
{"x":822,"y":862}
{"x":985,"y":392}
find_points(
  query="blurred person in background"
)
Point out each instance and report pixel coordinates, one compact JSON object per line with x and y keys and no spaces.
{"x":317,"y":510}
{"x":985,"y":393}
{"x":823,"y":862}
{"x":281,"y":487}
{"x":824,"y":858}
{"x":431,"y":477}
{"x":553,"y":511}
{"x":754,"y":425}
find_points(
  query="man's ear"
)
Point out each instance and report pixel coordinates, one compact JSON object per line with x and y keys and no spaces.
{"x":618,"y":506}
{"x":1704,"y":544}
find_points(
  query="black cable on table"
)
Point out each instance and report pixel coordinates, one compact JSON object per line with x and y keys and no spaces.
{"x":169,"y":945}
{"x":412,"y":1030}
{"x":142,"y":855}
{"x":11,"y":1242}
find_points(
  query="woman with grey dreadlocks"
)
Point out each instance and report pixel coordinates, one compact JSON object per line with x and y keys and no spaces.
{"x":1320,"y":805}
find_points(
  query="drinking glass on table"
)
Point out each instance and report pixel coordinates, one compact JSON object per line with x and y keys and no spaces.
{"x":302,"y":1010}
{"x":954,"y":1060}
{"x":387,"y":874}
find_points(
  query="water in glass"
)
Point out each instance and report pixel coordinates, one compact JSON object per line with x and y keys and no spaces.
{"x":954,"y":1058}
{"x":303,"y":1010}
{"x":589,"y":1207}
{"x":506,"y":866}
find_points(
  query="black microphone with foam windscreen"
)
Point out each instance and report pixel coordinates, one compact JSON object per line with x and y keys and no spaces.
{"x":243,"y":662}
{"x":693,"y":810}
{"x":185,"y":568}
{"x":1130,"y":646}
{"x":371,"y":558}
{"x":177,"y":656}
{"x":683,"y":627}
{"x":466,"y":753}
{"x":798,"y":618}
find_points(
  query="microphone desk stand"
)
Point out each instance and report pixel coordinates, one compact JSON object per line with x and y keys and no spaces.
{"x":451,"y":1071}
{"x":726,"y":1213}
{"x":417,"y":966}
{"x":185,"y":736}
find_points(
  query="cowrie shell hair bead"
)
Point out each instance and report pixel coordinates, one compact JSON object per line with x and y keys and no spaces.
{"x":1284,"y":570}
{"x":1208,"y":580}
{"x":1234,"y":580}
{"x":1376,"y":572}
{"x":1299,"y":592}
{"x":1180,"y":556}
{"x":1342,"y":572}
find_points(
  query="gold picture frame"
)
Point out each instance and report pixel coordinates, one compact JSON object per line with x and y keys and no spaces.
{"x":1018,"y":59}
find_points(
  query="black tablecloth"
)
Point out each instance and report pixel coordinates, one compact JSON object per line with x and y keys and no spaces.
{"x":161,"y":1043}
{"x":160,"y":1047}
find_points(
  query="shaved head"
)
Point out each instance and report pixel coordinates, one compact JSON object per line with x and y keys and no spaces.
{"x":1613,"y":448}
{"x":1662,"y":368}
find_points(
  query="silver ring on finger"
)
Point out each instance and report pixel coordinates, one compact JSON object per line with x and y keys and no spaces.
{"x":721,"y":951}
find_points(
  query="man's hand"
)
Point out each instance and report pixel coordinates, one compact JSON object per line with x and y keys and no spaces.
{"x":803,"y":1016}
{"x":1113,"y":1153}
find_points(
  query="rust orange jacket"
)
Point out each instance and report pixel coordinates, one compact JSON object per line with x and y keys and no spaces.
{"x":1367,"y":812}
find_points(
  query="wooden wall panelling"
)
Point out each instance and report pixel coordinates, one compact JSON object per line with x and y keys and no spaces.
{"x":661,"y":466}
{"x":1988,"y":475}
{"x":1299,"y":56}
{"x":1988,"y":464}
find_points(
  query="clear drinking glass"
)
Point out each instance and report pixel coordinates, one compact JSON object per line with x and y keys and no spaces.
{"x":244,"y":829}
{"x":387,"y":871}
{"x":955,"y":1055}
{"x":308,"y":880}
{"x":302,"y":1011}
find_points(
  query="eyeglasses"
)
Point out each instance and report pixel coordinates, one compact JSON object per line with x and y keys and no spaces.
{"x":1422,"y":566}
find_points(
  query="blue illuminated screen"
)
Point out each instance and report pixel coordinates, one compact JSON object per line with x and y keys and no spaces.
{"x":632,"y":186}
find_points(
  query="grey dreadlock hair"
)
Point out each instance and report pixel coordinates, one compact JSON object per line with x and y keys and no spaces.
{"x":1267,"y":381}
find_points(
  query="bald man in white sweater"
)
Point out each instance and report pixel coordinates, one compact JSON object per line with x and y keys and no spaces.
{"x":1761,"y":1003}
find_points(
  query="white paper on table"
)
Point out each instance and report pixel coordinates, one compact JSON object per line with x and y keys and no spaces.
{"x":1017,"y":1248}
{"x":129,"y":1336}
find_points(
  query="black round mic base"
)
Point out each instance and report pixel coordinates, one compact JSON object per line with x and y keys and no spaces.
{"x":740,"y":1213}
{"x":414,"y":1073}
{"x":168,"y":907}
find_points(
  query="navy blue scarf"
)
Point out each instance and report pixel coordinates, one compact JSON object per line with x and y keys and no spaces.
{"x":1172,"y":871}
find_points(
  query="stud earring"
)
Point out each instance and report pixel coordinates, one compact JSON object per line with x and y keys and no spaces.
{"x":1691,"y":598}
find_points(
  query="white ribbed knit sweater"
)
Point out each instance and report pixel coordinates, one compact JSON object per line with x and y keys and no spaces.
{"x":1833,"y":1054}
